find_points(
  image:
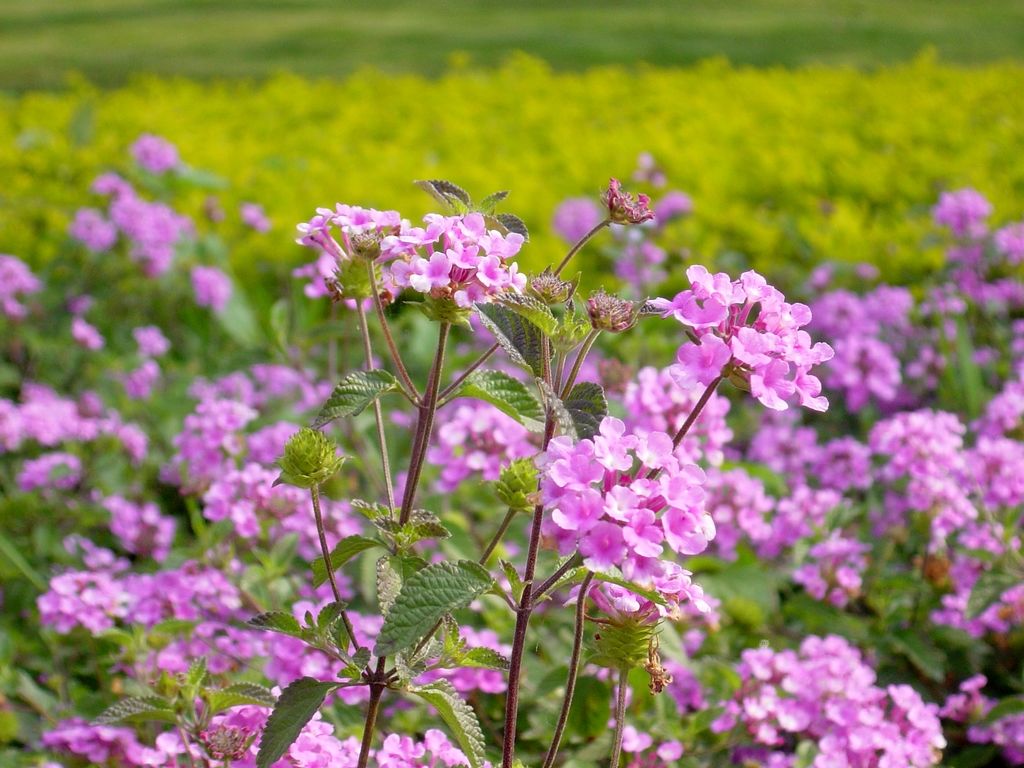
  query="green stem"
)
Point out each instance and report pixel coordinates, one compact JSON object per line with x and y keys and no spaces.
{"x":314,"y":493}
{"x":424,"y":425}
{"x":377,"y":410}
{"x":409,"y":388}
{"x":588,"y":344}
{"x":574,"y":667}
{"x":579,"y":244}
{"x":704,"y":398}
{"x":498,"y":535}
{"x":620,"y":719}
{"x":450,"y":389}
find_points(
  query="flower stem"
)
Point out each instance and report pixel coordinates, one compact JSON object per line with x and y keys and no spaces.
{"x":450,"y":389}
{"x":424,"y":424}
{"x":579,"y":244}
{"x":403,"y":374}
{"x":620,"y":719}
{"x":573,"y":562}
{"x":588,"y":344}
{"x":515,"y":669}
{"x":372,"y":707}
{"x":574,"y":665}
{"x":678,"y":438}
{"x":498,"y":535}
{"x":377,"y":410}
{"x":314,"y":493}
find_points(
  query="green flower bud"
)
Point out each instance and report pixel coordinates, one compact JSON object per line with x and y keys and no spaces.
{"x":310,"y":459}
{"x":517,"y":485}
{"x":624,"y":646}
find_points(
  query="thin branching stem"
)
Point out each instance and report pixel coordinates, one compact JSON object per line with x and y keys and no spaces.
{"x":424,"y":424}
{"x":588,"y":343}
{"x":574,"y":668}
{"x":314,"y":493}
{"x":683,"y":430}
{"x":377,"y":410}
{"x":456,"y":383}
{"x":620,"y":719}
{"x":579,"y":245}
{"x":403,"y":374}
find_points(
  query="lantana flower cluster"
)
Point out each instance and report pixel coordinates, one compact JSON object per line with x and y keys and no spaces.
{"x":826,"y":694}
{"x":746,"y":330}
{"x":451,"y":257}
{"x":604,"y":501}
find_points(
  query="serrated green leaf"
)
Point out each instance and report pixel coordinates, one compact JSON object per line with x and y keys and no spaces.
{"x":294,"y":708}
{"x":343,"y":551}
{"x":553,"y":404}
{"x":513,"y":223}
{"x":521,"y":339}
{"x":389,"y":582}
{"x":354,"y":393}
{"x":571,"y":331}
{"x":196,"y":673}
{"x":587,"y":406}
{"x":488,"y":204}
{"x":137,"y":709}
{"x":238,"y":694}
{"x":277,"y":621}
{"x":534,"y":310}
{"x":620,"y":581}
{"x":989,"y":587}
{"x":329,"y":614}
{"x":445,"y":192}
{"x":424,"y":599}
{"x":458,"y":716}
{"x":421,"y":525}
{"x":508,"y":395}
{"x":372,"y":511}
{"x":483,"y":658}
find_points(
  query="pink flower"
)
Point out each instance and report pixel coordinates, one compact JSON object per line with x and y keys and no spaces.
{"x":155,"y":154}
{"x":701,"y":363}
{"x":86,"y":334}
{"x":212,"y":287}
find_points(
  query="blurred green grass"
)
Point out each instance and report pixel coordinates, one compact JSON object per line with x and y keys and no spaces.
{"x":110,"y":40}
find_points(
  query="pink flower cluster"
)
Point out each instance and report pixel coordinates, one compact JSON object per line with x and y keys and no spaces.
{"x":212,"y":287}
{"x":964,"y":212}
{"x":826,"y":694}
{"x":46,"y":418}
{"x":476,"y":439}
{"x":745,"y":328}
{"x":57,"y":470}
{"x":140,"y":527}
{"x":603,"y":502}
{"x":969,"y":705}
{"x":155,"y":154}
{"x":452,"y":257}
{"x":833,"y":569}
{"x":16,"y":282}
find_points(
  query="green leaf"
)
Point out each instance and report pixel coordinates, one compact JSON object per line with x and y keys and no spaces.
{"x":612,"y":578}
{"x":587,"y":406}
{"x":421,"y":525}
{"x":554,"y":405}
{"x":354,"y":393}
{"x":137,"y":709}
{"x":196,"y":673}
{"x":458,"y":716}
{"x":1013,"y":705}
{"x":514,"y":224}
{"x":521,"y":339}
{"x":989,"y":587}
{"x":484,"y":658}
{"x":238,"y":694}
{"x":389,"y":583}
{"x":921,"y":653}
{"x":488,"y":204}
{"x":343,"y":551}
{"x":532,"y":309}
{"x":424,"y":599}
{"x":294,"y":708}
{"x":448,"y":194}
{"x":277,"y":621}
{"x":508,"y":395}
